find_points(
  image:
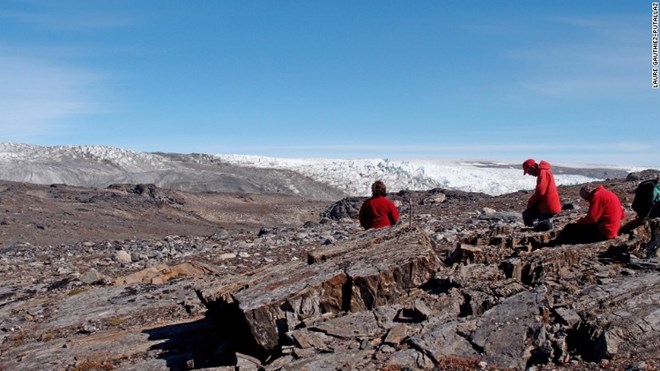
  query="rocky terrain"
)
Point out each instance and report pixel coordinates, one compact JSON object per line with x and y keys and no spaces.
{"x":135,"y":277}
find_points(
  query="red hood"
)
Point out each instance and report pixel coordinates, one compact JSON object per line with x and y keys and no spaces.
{"x":543,"y":165}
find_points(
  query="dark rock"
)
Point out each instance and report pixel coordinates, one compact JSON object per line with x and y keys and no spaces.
{"x":346,"y":208}
{"x":568,"y":316}
{"x":505,"y":332}
{"x":629,"y":330}
{"x":310,"y":224}
{"x":91,"y":276}
{"x":421,"y":310}
{"x":446,"y":340}
{"x":263,"y":232}
{"x":352,"y":326}
{"x":512,"y":268}
{"x":347,"y":360}
{"x":544,"y":225}
{"x":311,"y":339}
{"x":408,"y":359}
{"x":508,"y":216}
{"x":639,"y":176}
{"x":220,"y":235}
{"x":434,"y":199}
{"x":397,"y":334}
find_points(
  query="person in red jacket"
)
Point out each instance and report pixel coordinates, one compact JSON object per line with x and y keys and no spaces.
{"x":602,"y":222}
{"x":545,"y":201}
{"x":378,"y":211}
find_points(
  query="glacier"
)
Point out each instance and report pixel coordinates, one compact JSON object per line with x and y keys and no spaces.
{"x":315,"y":178}
{"x":356,"y":176}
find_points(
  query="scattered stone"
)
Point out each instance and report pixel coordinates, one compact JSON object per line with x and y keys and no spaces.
{"x":220,"y":235}
{"x":329,"y":241}
{"x":421,"y":310}
{"x":346,"y":208}
{"x":568,"y":316}
{"x":227,"y":255}
{"x":506,"y":216}
{"x":397,"y":334}
{"x":353,"y":326}
{"x":246,"y":362}
{"x":92,"y":276}
{"x":307,"y":339}
{"x":123,"y":257}
{"x":488,"y":210}
{"x":435,"y":199}
{"x":162,"y":273}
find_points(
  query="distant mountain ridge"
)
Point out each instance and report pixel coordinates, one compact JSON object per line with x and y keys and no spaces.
{"x":319,"y":179}
{"x":100,"y":166}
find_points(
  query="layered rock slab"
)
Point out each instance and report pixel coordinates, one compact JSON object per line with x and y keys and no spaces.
{"x":620,"y":318}
{"x":445,"y":340}
{"x":508,"y":332}
{"x":100,"y":324}
{"x":269,"y":303}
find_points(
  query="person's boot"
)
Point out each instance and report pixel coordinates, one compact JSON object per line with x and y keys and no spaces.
{"x":543,"y":225}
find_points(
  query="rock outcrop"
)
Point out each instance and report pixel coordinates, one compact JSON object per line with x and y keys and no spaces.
{"x":509,"y":315}
{"x":467,"y":287}
{"x":284,"y":297}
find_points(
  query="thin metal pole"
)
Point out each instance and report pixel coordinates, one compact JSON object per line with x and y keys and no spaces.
{"x":411,"y":213}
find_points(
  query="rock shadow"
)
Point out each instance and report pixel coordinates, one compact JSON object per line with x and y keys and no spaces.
{"x":192,"y":345}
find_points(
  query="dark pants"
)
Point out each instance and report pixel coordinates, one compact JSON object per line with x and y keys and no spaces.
{"x":531,"y":214}
{"x":578,"y":233}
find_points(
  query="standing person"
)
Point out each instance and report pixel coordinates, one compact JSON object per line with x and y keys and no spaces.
{"x":378,"y":211}
{"x":602,"y":222}
{"x":545,"y":202}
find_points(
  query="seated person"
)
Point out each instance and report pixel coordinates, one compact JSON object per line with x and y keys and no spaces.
{"x":378,"y":211}
{"x":602,"y":222}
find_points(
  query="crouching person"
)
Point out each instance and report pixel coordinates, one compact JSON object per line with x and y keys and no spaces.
{"x":602,"y":222}
{"x":378,"y":211}
{"x":545,"y":201}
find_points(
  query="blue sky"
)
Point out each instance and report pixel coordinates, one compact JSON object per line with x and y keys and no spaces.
{"x":566,"y":81}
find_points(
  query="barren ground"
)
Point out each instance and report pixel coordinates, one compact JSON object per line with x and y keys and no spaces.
{"x":123,"y":278}
{"x":61,"y":214}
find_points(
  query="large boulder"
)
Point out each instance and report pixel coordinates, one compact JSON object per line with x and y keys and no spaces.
{"x":269,"y":303}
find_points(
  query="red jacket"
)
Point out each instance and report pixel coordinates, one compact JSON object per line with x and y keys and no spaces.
{"x":604,"y":210}
{"x":545,"y":198}
{"x":378,"y":212}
